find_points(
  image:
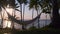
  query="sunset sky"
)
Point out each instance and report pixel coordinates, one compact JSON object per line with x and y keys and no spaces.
{"x":28,"y":13}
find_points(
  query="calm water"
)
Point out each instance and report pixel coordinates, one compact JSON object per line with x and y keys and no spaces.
{"x":42,"y":23}
{"x":7,"y":33}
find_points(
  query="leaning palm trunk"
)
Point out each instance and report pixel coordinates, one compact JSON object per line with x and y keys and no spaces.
{"x":13,"y":14}
{"x":38,"y":20}
{"x":46,"y":19}
{"x":32,"y":16}
{"x":2,"y":20}
{"x":2,"y":16}
{"x":21,"y":11}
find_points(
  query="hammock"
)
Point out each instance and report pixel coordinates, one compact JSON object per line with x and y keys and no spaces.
{"x":23,"y":22}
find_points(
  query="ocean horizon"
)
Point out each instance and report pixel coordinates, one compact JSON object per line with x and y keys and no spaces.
{"x":42,"y":23}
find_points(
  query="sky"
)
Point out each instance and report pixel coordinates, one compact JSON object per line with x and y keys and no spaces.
{"x":28,"y":13}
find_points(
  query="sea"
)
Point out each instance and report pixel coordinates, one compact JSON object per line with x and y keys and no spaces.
{"x":42,"y":23}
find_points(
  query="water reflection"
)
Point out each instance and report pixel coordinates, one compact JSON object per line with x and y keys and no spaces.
{"x":7,"y":33}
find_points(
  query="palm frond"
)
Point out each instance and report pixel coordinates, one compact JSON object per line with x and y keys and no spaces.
{"x":17,"y":10}
{"x":11,"y":3}
{"x":22,"y":1}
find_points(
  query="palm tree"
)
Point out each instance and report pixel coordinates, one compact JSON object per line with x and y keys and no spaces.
{"x":25,"y":3}
{"x":33,"y":15}
{"x":34,"y":4}
{"x":13,"y":14}
{"x":1,"y":16}
{"x":2,"y":19}
{"x":55,"y":13}
{"x":3,"y":4}
{"x":56,"y":18}
{"x":11,"y":4}
{"x":42,"y":3}
{"x":21,"y":2}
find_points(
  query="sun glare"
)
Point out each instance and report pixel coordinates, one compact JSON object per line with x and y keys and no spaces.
{"x":8,"y":24}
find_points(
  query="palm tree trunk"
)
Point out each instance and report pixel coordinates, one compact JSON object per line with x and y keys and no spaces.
{"x":23,"y":11}
{"x":2,"y":20}
{"x":12,"y":22}
{"x":38,"y":20}
{"x":56,"y":18}
{"x":32,"y":15}
{"x":14,"y":16}
{"x":46,"y":20}
{"x":23,"y":16}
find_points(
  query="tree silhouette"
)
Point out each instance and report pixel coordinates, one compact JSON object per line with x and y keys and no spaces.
{"x":34,"y":4}
{"x":21,"y":2}
{"x":4,"y":3}
{"x":55,"y":19}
